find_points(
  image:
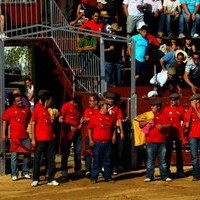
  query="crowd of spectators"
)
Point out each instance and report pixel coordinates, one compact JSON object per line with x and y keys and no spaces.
{"x":159,"y":29}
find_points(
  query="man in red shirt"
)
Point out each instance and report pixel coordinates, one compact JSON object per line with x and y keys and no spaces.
{"x":43,"y":139}
{"x":156,"y":141}
{"x":175,"y":113}
{"x":115,"y":111}
{"x":17,"y":118}
{"x":94,"y":24}
{"x":88,"y":113}
{"x":192,"y":126}
{"x":70,"y":119}
{"x":101,"y":137}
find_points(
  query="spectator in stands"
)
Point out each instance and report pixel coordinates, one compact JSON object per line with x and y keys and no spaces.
{"x":107,"y":19}
{"x":162,"y":45}
{"x":157,"y":129}
{"x":172,"y":17}
{"x":192,"y":72}
{"x":87,"y":42}
{"x":141,"y":51}
{"x":94,"y":24}
{"x":81,"y":13}
{"x":134,"y":13}
{"x":168,"y":58}
{"x":175,"y":113}
{"x":192,"y":127}
{"x":189,"y":47}
{"x":152,"y":13}
{"x":190,"y":11}
{"x":68,"y":8}
{"x":114,"y":56}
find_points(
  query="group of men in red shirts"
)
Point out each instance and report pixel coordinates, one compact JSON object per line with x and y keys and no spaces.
{"x":96,"y":127}
{"x":168,"y":126}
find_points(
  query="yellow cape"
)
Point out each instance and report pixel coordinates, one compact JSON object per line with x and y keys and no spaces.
{"x":139,"y":136}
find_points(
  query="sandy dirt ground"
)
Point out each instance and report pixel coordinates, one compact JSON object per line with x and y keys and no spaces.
{"x":127,"y":185}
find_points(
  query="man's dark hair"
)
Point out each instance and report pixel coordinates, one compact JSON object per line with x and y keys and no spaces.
{"x":95,"y":96}
{"x":45,"y":96}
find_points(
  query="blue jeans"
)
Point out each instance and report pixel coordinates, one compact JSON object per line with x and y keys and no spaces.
{"x":102,"y":157}
{"x":156,"y":150}
{"x":65,"y":148}
{"x":194,"y":148}
{"x":14,"y":160}
{"x":113,"y":70}
{"x":191,"y":27}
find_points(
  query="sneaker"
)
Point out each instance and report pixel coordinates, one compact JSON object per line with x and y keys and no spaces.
{"x":167,"y":179}
{"x":115,"y":172}
{"x":87,"y":174}
{"x":26,"y":176}
{"x":54,"y":183}
{"x":35,"y":183}
{"x":147,"y":180}
{"x":181,"y":35}
{"x":100,"y":174}
{"x":195,"y":35}
{"x":64,"y":173}
{"x":14,"y":178}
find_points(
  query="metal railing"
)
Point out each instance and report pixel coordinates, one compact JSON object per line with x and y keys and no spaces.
{"x":43,"y":18}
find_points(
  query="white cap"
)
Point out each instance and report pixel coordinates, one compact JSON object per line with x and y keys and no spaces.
{"x":140,"y":25}
{"x":101,"y":1}
{"x":152,"y":93}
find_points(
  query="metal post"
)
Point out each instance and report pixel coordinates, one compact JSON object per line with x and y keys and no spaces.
{"x":102,"y":65}
{"x":133,"y":105}
{"x":2,"y":108}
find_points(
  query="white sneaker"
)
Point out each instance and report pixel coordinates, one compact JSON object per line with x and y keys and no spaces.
{"x":147,"y":180}
{"x":181,"y":35}
{"x":26,"y":176}
{"x":35,"y":183}
{"x":168,"y":180}
{"x":14,"y":178}
{"x":54,"y":183}
{"x":196,"y":35}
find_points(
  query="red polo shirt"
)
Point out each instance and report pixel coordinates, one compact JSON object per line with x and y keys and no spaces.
{"x":102,"y":126}
{"x":175,"y":115}
{"x":94,"y":26}
{"x":116,"y":112}
{"x":18,"y":118}
{"x":194,"y":121}
{"x":158,"y":135}
{"x":43,"y":126}
{"x":71,"y":114}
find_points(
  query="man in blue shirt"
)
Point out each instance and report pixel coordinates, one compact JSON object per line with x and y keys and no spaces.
{"x":141,"y":47}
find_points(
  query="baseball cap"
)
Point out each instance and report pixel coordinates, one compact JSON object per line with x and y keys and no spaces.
{"x":101,"y":1}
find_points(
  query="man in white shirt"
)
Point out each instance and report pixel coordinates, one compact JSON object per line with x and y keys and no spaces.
{"x":134,"y":13}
